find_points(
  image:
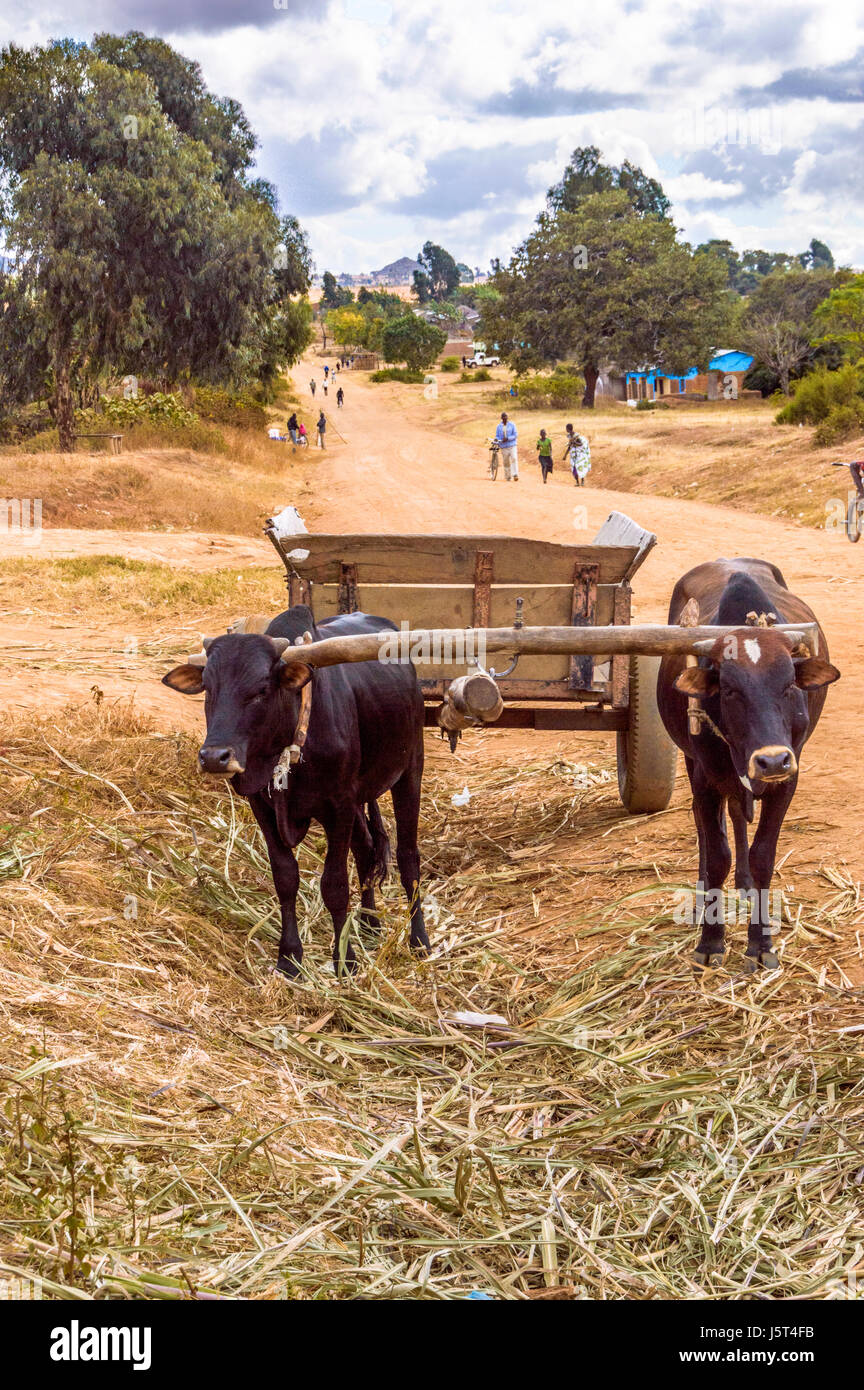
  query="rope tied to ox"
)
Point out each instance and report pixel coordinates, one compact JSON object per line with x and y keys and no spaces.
{"x":294,"y":752}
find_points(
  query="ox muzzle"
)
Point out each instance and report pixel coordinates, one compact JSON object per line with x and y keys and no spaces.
{"x":773,"y":763}
{"x":219,"y":761}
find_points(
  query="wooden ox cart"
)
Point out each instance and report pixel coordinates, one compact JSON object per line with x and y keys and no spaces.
{"x":560,"y":612}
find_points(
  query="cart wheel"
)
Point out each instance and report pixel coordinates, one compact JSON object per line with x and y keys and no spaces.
{"x":854,"y":519}
{"x":647,"y":757}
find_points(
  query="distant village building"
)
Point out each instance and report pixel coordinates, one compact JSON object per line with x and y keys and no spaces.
{"x":723,"y":379}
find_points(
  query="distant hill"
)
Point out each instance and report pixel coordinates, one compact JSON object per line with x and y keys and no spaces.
{"x":397,"y":272}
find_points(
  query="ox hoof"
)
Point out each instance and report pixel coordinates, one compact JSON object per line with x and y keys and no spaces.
{"x":709,"y":959}
{"x":287,"y":965}
{"x":763,"y":960}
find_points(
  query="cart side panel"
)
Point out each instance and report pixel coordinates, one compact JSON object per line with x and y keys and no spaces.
{"x":452,"y":559}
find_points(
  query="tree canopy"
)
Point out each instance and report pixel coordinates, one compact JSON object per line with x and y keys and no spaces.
{"x":586,"y":175}
{"x":840,"y":318}
{"x":746,"y":269}
{"x":411,"y":340}
{"x":334,"y":295}
{"x":438,"y":275}
{"x":777,"y":325}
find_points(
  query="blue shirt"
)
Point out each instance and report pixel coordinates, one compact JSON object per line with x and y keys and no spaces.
{"x":506,"y":435}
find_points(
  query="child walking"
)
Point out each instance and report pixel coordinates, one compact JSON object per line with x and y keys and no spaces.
{"x":544,"y":454}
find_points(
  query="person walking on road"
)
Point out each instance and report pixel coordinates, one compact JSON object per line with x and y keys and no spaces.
{"x":325,"y":388}
{"x":340,"y":397}
{"x":312,"y":386}
{"x":321,"y":428}
{"x":506,"y":436}
{"x":292,"y":429}
{"x":579,"y":454}
{"x":544,"y":454}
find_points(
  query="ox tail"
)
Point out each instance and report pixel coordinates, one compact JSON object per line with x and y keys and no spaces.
{"x":380,"y":844}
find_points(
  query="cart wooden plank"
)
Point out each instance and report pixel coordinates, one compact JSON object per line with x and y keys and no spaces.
{"x":451,"y":559}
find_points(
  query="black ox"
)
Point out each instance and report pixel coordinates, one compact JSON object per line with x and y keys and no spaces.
{"x":365,"y":738}
{"x":759,"y":701}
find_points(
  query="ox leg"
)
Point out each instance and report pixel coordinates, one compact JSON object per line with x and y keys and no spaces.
{"x":364,"y":857}
{"x":743,"y":876}
{"x":763,"y":852}
{"x":334,"y":882}
{"x":286,"y":880}
{"x":715,"y":861}
{"x":406,"y":807}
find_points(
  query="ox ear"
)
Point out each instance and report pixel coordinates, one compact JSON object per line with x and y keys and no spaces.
{"x":813,"y":673}
{"x":186,"y":678}
{"x":294,"y":675}
{"x":698,"y":680}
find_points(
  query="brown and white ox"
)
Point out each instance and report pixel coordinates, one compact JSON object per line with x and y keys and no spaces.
{"x":759,"y":700}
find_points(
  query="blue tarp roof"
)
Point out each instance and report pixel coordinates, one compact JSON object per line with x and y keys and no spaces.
{"x":731,"y":362}
{"x":723,"y":362}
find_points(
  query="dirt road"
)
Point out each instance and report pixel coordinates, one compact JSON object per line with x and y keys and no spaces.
{"x":403,"y":466}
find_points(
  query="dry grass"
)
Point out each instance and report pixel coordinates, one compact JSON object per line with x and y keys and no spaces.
{"x":165,"y":489}
{"x":179,"y":1123}
{"x":105,"y":588}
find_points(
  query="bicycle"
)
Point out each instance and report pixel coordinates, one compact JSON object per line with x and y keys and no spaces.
{"x":494,"y":451}
{"x":855,"y":510}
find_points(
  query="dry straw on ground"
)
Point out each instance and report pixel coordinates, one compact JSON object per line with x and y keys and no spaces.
{"x":177,"y":1122}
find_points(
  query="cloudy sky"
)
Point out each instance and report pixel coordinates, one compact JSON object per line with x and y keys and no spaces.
{"x":384,"y":124}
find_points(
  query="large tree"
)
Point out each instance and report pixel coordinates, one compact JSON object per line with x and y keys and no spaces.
{"x":413,"y":341}
{"x":777,"y":325}
{"x":607,"y":285}
{"x":348,"y":327}
{"x":438,"y":275}
{"x":136,"y":248}
{"x":334,"y":295}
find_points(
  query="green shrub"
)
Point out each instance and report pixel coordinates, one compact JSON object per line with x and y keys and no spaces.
{"x":162,"y":406}
{"x":819,"y":393}
{"x":559,"y":390}
{"x":398,"y":374}
{"x":222,"y":407}
{"x":646,"y":405}
{"x":481,"y":374}
{"x":450,"y":364}
{"x":841,"y":422}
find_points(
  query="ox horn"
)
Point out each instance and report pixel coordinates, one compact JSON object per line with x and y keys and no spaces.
{"x":280,"y":643}
{"x":705,"y":646}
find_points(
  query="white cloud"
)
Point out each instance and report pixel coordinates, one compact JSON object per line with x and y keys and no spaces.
{"x":687,"y":188}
